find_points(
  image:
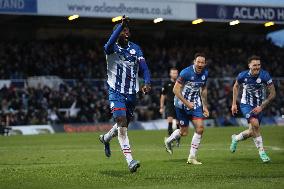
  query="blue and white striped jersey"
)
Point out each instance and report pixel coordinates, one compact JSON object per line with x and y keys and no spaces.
{"x":254,"y":87}
{"x":192,"y":83}
{"x":122,"y":68}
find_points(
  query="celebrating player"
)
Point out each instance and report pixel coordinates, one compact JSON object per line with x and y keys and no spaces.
{"x":190,"y":103}
{"x":255,"y":81}
{"x":124,"y":59}
{"x":167,"y":97}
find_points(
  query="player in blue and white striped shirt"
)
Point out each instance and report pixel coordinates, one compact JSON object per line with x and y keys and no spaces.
{"x":124,"y":59}
{"x":255,"y":82}
{"x":191,"y":104}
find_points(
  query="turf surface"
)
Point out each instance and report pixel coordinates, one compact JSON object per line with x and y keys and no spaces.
{"x":78,"y":161}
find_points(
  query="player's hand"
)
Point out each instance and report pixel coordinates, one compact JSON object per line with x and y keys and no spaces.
{"x":146,"y":88}
{"x":257,"y":110}
{"x":234,"y":109}
{"x":161,"y":110}
{"x":190,"y":105}
{"x":125,"y":21}
{"x":205,"y":112}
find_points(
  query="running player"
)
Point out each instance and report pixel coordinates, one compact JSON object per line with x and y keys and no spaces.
{"x":191,"y":104}
{"x":255,"y":81}
{"x":124,"y":59}
{"x":167,"y":98}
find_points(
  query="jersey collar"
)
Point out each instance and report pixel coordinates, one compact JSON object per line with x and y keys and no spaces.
{"x":128,"y":45}
{"x":249,"y":73}
{"x":195,"y":70}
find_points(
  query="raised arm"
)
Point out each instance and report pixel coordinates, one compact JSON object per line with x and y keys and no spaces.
{"x":108,"y":48}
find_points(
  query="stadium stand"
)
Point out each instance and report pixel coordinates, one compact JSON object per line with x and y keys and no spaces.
{"x":81,"y":62}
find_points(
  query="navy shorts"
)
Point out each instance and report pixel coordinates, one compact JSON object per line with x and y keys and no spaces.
{"x":121,"y":104}
{"x":246,"y":111}
{"x":183,"y":116}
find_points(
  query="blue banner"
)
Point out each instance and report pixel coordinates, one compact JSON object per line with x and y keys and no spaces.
{"x":18,"y":6}
{"x":246,"y":13}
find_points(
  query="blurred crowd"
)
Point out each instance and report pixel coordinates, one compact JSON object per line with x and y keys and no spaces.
{"x":84,"y":102}
{"x":84,"y":58}
{"x":42,"y":105}
{"x":81,"y":59}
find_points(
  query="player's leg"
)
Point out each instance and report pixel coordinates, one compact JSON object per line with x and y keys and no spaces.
{"x":257,"y":138}
{"x":118,"y":109}
{"x":123,"y":139}
{"x":170,"y":125}
{"x":177,"y":127}
{"x":170,"y":113}
{"x":183,"y":122}
{"x":246,"y":109}
{"x":196,"y":139}
{"x":106,"y":138}
{"x":110,"y":134}
{"x":240,"y":137}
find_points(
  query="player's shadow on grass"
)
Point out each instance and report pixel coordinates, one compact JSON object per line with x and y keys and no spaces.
{"x":115,"y":173}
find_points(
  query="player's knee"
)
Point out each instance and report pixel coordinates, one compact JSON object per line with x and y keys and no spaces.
{"x":121,"y":121}
{"x":183,"y":131}
{"x":170,"y":119}
{"x":250,"y":133}
{"x":254,"y":122}
{"x":199,"y":130}
{"x":255,"y":131}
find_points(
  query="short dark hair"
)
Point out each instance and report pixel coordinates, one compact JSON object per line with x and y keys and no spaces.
{"x":253,"y":57}
{"x":199,"y":54}
{"x":173,"y":68}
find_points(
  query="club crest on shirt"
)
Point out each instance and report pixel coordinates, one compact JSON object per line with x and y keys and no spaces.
{"x":181,"y":122}
{"x":203,"y":77}
{"x":132,"y":51}
{"x":258,"y":80}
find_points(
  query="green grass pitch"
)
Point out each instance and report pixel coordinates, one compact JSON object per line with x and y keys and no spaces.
{"x":77,"y":161}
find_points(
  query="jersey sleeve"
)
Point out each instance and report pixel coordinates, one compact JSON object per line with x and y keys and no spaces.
{"x":140,"y":53}
{"x":143,"y":66}
{"x":206,"y":78}
{"x":240,"y":78}
{"x":267,"y":79}
{"x":164,"y":89}
{"x":182,"y":77}
{"x":108,"y":47}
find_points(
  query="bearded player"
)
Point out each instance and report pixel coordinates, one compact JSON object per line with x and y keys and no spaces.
{"x":124,"y":59}
{"x":191,"y":104}
{"x":255,"y":82}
